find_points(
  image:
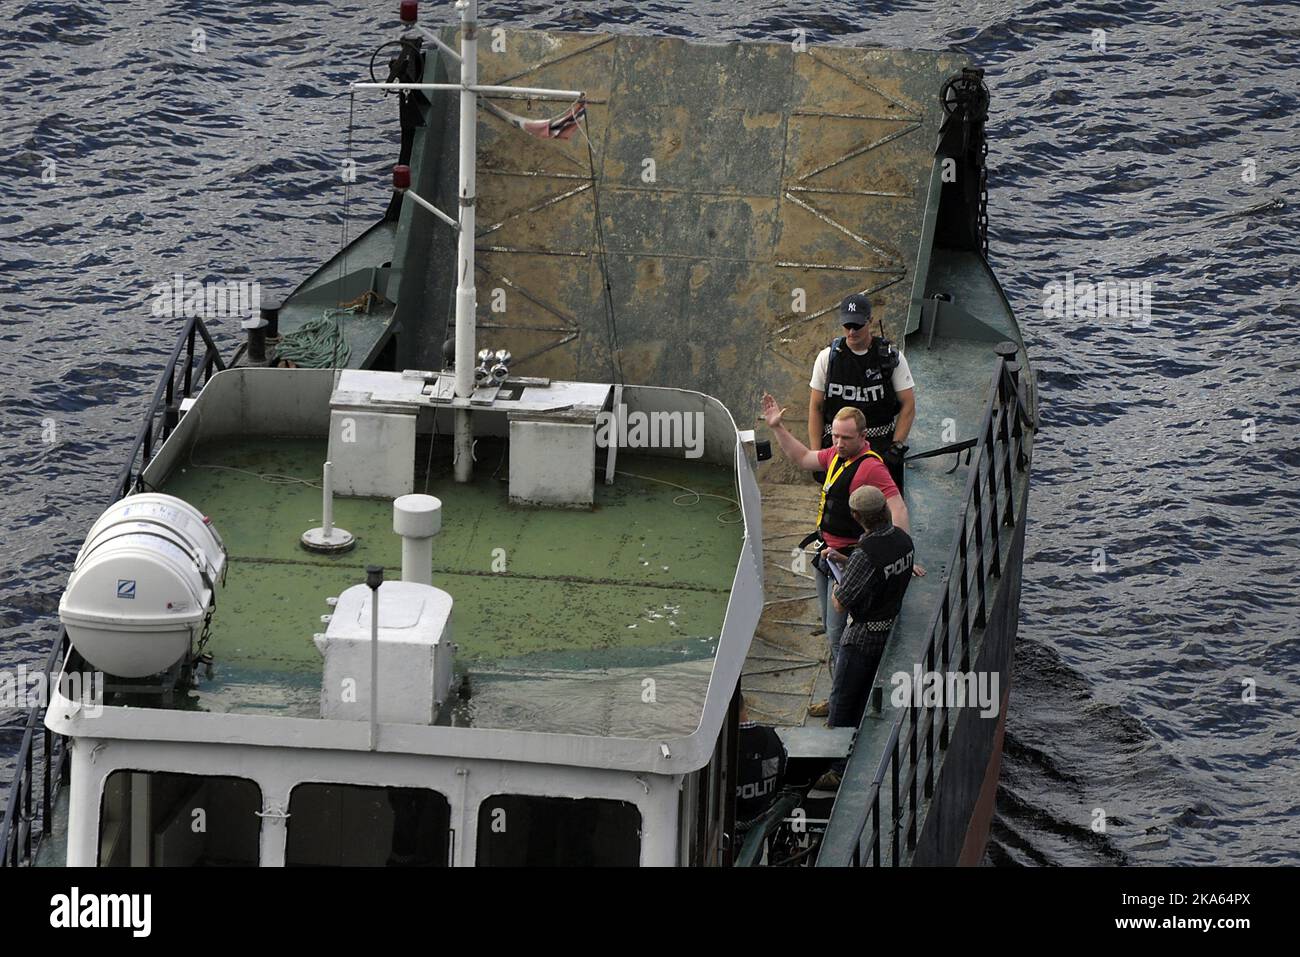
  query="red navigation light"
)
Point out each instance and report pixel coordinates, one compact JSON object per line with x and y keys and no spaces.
{"x":410,"y":11}
{"x":401,"y":177}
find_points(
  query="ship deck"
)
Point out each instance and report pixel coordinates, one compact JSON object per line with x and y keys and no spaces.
{"x":589,"y":606}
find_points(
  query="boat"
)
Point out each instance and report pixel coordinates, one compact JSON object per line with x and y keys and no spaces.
{"x":464,"y":557}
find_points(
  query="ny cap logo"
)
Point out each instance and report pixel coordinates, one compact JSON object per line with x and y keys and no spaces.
{"x":853,"y":307}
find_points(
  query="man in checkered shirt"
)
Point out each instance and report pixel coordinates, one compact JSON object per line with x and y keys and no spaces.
{"x":871,"y":590}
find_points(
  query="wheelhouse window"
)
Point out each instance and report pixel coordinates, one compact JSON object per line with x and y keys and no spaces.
{"x":517,"y":830}
{"x":162,"y":819}
{"x":350,"y":825}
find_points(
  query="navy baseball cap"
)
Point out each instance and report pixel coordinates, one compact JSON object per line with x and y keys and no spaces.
{"x":855,"y":310}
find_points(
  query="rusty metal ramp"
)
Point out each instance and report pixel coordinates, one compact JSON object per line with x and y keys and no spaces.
{"x":731,"y":195}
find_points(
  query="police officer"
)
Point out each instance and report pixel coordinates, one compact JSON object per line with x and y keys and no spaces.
{"x":871,"y":591}
{"x":868,"y":373}
{"x":847,"y":465}
{"x":760,"y":772}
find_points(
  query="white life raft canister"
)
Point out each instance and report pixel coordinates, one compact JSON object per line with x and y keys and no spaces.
{"x":143,"y":584}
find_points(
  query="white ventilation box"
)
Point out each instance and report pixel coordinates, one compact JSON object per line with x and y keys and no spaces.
{"x":143,"y":585}
{"x":553,"y":459}
{"x":415,"y":654}
{"x":373,"y":452}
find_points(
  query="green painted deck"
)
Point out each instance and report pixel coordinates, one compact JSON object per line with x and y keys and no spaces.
{"x":590,"y":604}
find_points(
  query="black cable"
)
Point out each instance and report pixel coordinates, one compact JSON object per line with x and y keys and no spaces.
{"x":957,"y":447}
{"x":347,"y":181}
{"x":505,"y":450}
{"x":428,"y":465}
{"x":611,"y":321}
{"x":343,"y":249}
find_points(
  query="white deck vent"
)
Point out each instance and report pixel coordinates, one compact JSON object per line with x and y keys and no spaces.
{"x":415,"y":654}
{"x":143,"y":585}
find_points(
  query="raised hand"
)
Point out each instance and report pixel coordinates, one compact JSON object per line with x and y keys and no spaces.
{"x":771,"y":411}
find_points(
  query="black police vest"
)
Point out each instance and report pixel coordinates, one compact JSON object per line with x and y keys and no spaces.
{"x":760,"y":765}
{"x":836,"y":518}
{"x":891,"y":555}
{"x":858,"y":381}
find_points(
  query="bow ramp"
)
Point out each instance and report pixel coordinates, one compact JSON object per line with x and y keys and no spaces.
{"x":730,"y":197}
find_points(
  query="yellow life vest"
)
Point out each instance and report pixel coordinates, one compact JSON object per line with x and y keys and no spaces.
{"x":833,"y":472}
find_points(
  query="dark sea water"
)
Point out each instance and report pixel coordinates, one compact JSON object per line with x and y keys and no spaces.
{"x":1125,"y":164}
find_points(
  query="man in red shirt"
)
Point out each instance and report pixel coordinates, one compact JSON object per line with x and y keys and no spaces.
{"x":849,"y":464}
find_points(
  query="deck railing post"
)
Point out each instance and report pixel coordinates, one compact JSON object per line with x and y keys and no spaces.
{"x":27,"y":803}
{"x":914,"y":761}
{"x":1008,"y":374}
{"x":979,"y":547}
{"x":189,"y":357}
{"x":875,"y":829}
{"x":46,"y":802}
{"x":1013,"y":371}
{"x":945,"y":626}
{"x":996,"y":566}
{"x":964,"y":592}
{"x":931,"y":721}
{"x":897,"y":810}
{"x":171,"y":416}
{"x":1013,"y":374}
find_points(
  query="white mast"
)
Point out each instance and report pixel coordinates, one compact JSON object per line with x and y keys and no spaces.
{"x":466,"y":298}
{"x":464,"y":224}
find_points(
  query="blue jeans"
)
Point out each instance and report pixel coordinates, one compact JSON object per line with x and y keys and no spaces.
{"x":832,"y":619}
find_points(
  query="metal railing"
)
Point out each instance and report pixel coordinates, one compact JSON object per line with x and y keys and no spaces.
{"x":22,"y":829}
{"x":920,"y":735}
{"x":165,"y":403}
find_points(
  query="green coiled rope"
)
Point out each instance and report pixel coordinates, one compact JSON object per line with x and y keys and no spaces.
{"x":317,"y":344}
